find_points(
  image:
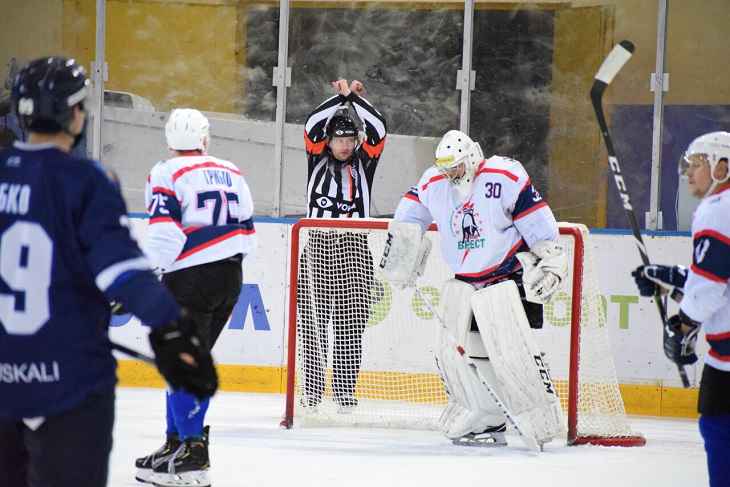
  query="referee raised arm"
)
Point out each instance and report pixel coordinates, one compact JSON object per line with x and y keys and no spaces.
{"x":336,"y":268}
{"x":341,"y":167}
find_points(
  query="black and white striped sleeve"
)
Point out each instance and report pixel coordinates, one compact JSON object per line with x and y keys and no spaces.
{"x":374,"y":125}
{"x":314,"y":127}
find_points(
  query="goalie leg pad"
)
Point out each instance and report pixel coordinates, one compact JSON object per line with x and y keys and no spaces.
{"x":471,"y":407}
{"x":523,"y":379}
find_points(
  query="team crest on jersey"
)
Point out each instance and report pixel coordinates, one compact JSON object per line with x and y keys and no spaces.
{"x":466,"y":222}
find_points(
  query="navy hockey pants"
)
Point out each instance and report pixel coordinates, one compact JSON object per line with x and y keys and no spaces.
{"x":68,"y":450}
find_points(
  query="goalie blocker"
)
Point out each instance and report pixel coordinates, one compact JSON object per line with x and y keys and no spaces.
{"x":404,"y":255}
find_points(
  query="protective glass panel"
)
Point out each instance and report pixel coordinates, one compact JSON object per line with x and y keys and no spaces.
{"x":25,"y":36}
{"x":535,"y":65}
{"x":405,"y":54}
{"x":211,"y":56}
{"x":698,"y":99}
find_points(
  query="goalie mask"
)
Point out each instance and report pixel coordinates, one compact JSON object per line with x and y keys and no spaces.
{"x":457,"y":157}
{"x":710,"y":148}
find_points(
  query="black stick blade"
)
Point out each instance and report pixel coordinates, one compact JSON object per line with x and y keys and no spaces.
{"x":628,"y":45}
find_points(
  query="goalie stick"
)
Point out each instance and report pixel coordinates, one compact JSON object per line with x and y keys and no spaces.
{"x":531,"y":442}
{"x":613,"y":63}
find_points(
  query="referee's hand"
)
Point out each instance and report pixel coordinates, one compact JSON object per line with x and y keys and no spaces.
{"x":341,"y":87}
{"x":357,"y":87}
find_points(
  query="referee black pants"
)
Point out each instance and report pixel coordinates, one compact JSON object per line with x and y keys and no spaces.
{"x":334,"y":286}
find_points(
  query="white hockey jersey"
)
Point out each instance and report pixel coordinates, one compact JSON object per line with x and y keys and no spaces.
{"x":503,"y":215}
{"x":706,"y":294}
{"x":200,"y":210}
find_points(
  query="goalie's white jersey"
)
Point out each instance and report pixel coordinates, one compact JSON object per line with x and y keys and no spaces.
{"x":200,"y":210}
{"x":706,"y":294}
{"x":503,"y":215}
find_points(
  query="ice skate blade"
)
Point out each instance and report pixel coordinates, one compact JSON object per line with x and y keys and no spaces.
{"x":143,"y":475}
{"x":488,"y":441}
{"x":196,"y":478}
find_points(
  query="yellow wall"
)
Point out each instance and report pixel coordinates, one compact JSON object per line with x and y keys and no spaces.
{"x":193,"y":52}
{"x":696,"y":52}
{"x":25,"y":35}
{"x":174,"y":54}
{"x":647,"y":400}
{"x":577,"y":182}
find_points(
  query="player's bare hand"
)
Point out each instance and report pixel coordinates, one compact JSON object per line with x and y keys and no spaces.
{"x":340,"y":87}
{"x":357,"y":87}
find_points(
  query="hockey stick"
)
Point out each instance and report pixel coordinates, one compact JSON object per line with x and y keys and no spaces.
{"x":613,"y":63}
{"x":531,"y":442}
{"x":133,"y":353}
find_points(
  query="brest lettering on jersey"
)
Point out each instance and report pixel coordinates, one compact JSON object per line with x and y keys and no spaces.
{"x":26,"y":373}
{"x":466,"y":222}
{"x":218,"y":177}
{"x":14,"y":198}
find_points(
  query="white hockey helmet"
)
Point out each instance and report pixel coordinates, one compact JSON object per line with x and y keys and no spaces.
{"x":714,"y":146}
{"x":187,"y":129}
{"x":457,"y":148}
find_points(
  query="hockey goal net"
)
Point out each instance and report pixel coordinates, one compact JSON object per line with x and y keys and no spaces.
{"x":341,"y":317}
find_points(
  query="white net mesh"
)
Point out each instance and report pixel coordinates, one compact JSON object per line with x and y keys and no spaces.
{"x":365,"y":350}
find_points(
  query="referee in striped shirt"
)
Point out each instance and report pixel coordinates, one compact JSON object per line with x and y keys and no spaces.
{"x":336,"y":270}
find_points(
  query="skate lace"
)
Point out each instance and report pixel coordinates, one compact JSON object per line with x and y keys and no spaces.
{"x":160,"y":456}
{"x":179,"y":454}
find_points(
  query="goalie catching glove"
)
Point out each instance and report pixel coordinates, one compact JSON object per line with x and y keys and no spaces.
{"x":544,"y":268}
{"x":183,"y":359}
{"x":405,"y":254}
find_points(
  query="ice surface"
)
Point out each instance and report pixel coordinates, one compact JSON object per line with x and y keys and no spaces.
{"x":248,"y":448}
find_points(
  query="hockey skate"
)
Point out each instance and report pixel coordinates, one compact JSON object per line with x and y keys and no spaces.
{"x":187,"y":466}
{"x":347,"y":403}
{"x":491,"y":437}
{"x":310,"y":403}
{"x":146,"y":465}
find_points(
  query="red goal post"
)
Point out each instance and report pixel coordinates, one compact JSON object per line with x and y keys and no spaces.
{"x":398,"y":384}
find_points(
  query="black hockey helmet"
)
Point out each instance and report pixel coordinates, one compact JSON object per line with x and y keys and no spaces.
{"x":45,"y":92}
{"x":341,"y":126}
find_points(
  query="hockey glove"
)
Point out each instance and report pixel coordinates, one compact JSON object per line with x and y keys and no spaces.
{"x":679,"y":347}
{"x":544,"y":268}
{"x":183,"y":359}
{"x":665,"y":278}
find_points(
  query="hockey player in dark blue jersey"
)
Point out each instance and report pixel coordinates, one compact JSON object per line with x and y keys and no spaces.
{"x":702,"y":291}
{"x":65,"y":253}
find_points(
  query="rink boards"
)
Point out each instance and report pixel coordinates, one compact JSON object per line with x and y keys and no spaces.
{"x":251,"y":352}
